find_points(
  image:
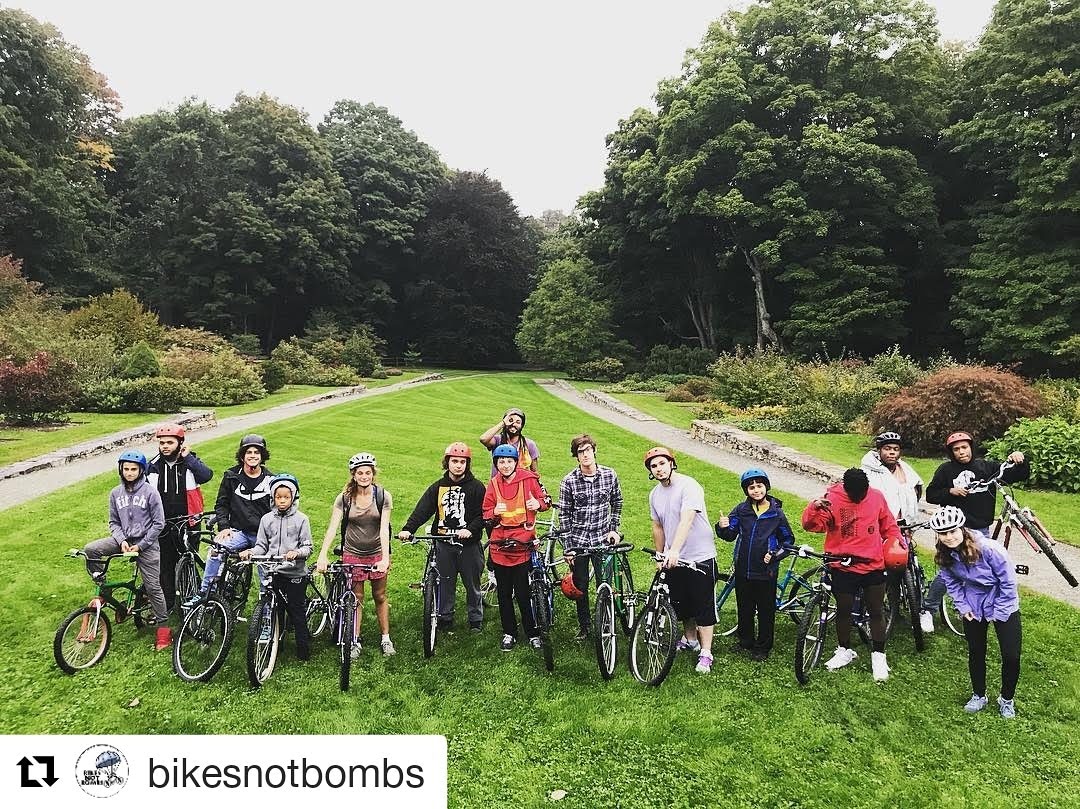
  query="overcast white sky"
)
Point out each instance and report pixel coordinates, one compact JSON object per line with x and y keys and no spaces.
{"x":526,"y":92}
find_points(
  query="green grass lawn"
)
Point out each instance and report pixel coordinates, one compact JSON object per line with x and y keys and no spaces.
{"x":747,"y":735}
{"x":20,"y":443}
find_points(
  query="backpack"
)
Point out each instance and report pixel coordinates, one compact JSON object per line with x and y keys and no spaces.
{"x":346,"y":506}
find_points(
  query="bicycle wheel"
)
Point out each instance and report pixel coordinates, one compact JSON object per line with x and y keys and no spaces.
{"x":1034,"y":529}
{"x":540,"y":599}
{"x":652,"y":643}
{"x":793,"y":602}
{"x":346,"y":631}
{"x":82,"y":640}
{"x":727,"y":615}
{"x":188,"y":580}
{"x":264,"y":638}
{"x":317,"y":618}
{"x":238,"y":585}
{"x":951,"y":615}
{"x":203,"y":641}
{"x":488,"y":590}
{"x":604,"y":631}
{"x":810,"y":639}
{"x":912,"y":598}
{"x":431,"y":611}
{"x":626,"y":597}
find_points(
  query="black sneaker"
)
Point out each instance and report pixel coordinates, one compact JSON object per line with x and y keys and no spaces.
{"x":507,"y":643}
{"x":476,"y":627}
{"x":759,"y":655}
{"x":739,"y":649}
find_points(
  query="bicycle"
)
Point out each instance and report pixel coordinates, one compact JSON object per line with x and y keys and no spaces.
{"x":791,"y":604}
{"x":1023,"y":520}
{"x":615,"y":596}
{"x":82,"y":640}
{"x":656,"y":629}
{"x":820,"y":611}
{"x":206,"y":632}
{"x":189,"y":565}
{"x":910,"y":588}
{"x":269,"y":620}
{"x":429,"y":587}
{"x":541,"y":594}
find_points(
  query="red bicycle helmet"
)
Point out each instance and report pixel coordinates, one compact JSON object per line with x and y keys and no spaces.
{"x":459,"y":449}
{"x":896,"y":554}
{"x":660,"y":452}
{"x":569,"y":589}
{"x":170,"y":431}
{"x":958,"y":436}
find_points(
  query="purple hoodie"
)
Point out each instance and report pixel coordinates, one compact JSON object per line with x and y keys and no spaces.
{"x":987,"y":587}
{"x":135,"y":514}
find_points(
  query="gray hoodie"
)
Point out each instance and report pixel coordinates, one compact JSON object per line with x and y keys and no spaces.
{"x":135,"y":514}
{"x":903,"y":499}
{"x":282,"y":532}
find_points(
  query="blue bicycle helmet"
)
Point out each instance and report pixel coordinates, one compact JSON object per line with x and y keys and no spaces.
{"x":132,"y":456}
{"x":505,"y":451}
{"x":288,"y":481}
{"x":752,"y":474}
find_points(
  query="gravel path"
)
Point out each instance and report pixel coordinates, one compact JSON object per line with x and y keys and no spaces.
{"x":1043,"y":577}
{"x":26,"y":487}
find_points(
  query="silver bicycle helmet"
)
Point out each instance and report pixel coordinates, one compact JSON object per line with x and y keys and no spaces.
{"x":947,"y":518}
{"x":361,"y":459}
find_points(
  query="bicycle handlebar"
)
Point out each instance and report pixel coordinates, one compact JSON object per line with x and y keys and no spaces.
{"x":599,"y":550}
{"x":659,"y":557}
{"x":417,"y":539}
{"x":845,"y":560}
{"x":994,"y":481}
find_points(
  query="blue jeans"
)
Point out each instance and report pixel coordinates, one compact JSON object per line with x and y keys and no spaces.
{"x":936,"y":591}
{"x":239,"y":541}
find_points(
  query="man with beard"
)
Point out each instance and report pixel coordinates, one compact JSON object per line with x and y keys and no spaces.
{"x":177,"y":473}
{"x":509,"y":431}
{"x":456,"y":501}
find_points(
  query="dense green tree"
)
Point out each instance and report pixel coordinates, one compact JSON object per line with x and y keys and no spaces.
{"x":475,"y":259}
{"x":56,"y":114}
{"x":1018,"y":294}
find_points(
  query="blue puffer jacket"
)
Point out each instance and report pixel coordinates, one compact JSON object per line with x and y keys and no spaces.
{"x":755,"y":535}
{"x":986,"y":587}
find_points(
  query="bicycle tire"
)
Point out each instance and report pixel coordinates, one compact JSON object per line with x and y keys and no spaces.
{"x":203,"y":642}
{"x":540,"y":601}
{"x":1034,"y":529}
{"x":604,"y":631}
{"x":810,"y":638}
{"x":73,"y":655}
{"x":912,"y":598}
{"x":951,"y":616}
{"x":430,"y":633}
{"x":727,"y":609}
{"x":489,"y":595}
{"x":262,"y":656}
{"x":188,"y":581}
{"x":316,"y":616}
{"x":346,"y":632}
{"x":238,"y":588}
{"x":626,"y":597}
{"x":652,"y":644}
{"x":801,"y":593}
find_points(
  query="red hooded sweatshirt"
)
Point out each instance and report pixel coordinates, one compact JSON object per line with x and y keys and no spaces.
{"x":855,"y":528}
{"x":516,"y":522}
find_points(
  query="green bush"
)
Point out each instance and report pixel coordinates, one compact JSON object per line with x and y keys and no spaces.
{"x":654,"y":384}
{"x":301,"y":368}
{"x":694,"y":389}
{"x":606,"y":369}
{"x":983,"y":401}
{"x":896,"y":367}
{"x":760,"y":378}
{"x":247,"y":344}
{"x":216,"y":378}
{"x":393,"y":371}
{"x":119,"y":315}
{"x":273,"y":374}
{"x":1051,"y":445}
{"x":328,"y":351}
{"x":360,"y":352}
{"x":813,"y":417}
{"x":39,"y":391}
{"x":1062,"y":397}
{"x":379,"y":373}
{"x":412,"y":356}
{"x":104,"y":395}
{"x":94,"y":357}
{"x":138,"y":361}
{"x":677,"y":360}
{"x":156,"y":394}
{"x":849,"y":388}
{"x":198,"y":339}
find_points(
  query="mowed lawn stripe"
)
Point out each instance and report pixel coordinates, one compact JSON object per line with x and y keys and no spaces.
{"x":746,"y":735}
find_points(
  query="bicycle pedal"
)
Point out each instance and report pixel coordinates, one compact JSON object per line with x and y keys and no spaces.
{"x":1022,"y":570}
{"x":415,"y":585}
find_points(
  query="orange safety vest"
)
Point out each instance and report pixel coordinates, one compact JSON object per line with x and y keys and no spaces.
{"x":516,"y":515}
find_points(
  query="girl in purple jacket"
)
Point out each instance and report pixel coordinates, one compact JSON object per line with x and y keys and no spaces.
{"x":981,"y":581}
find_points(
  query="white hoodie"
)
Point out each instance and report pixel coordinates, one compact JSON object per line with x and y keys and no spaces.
{"x":901,"y":497}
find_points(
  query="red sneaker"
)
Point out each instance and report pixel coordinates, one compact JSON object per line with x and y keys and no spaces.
{"x":163,"y":639}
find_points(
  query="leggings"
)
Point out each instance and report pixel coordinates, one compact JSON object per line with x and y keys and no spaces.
{"x":1009,"y":639}
{"x":874,"y":600}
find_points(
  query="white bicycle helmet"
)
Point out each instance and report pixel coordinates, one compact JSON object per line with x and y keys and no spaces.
{"x":361,"y":459}
{"x":947,"y":518}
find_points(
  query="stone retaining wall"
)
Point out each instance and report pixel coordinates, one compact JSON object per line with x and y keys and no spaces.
{"x":617,"y":405}
{"x":762,"y":449}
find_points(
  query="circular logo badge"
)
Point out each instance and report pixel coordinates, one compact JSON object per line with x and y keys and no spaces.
{"x":101,"y":771}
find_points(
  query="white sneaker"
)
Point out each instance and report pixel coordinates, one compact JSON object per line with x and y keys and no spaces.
{"x":355,"y":653}
{"x":840,"y":658}
{"x":879,"y":666}
{"x":388,"y":648}
{"x":926,"y":621}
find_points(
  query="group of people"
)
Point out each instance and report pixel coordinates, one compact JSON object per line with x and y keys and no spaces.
{"x":256,"y":512}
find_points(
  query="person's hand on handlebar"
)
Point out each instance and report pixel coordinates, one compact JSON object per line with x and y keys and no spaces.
{"x":671,"y":558}
{"x":464,"y":534}
{"x":614,"y":538}
{"x":404,"y":536}
{"x":1015,"y":457}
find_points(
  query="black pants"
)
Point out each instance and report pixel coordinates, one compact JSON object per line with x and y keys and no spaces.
{"x":756,"y":596}
{"x":1009,"y":639}
{"x":874,"y":599}
{"x":169,"y":540}
{"x":581,"y":581}
{"x":467,"y":562}
{"x":296,"y":608}
{"x":512,"y":581}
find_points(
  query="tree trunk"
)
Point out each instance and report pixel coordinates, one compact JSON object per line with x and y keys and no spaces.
{"x":766,"y":337}
{"x":701,"y":312}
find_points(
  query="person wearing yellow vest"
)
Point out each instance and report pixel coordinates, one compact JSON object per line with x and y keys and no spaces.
{"x":509,"y":432}
{"x":511,"y":501}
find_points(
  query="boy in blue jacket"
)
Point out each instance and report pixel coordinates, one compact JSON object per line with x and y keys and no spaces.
{"x":762,"y":537}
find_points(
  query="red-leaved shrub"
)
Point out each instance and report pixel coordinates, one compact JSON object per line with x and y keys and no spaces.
{"x":41,"y":390}
{"x":974,"y":398}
